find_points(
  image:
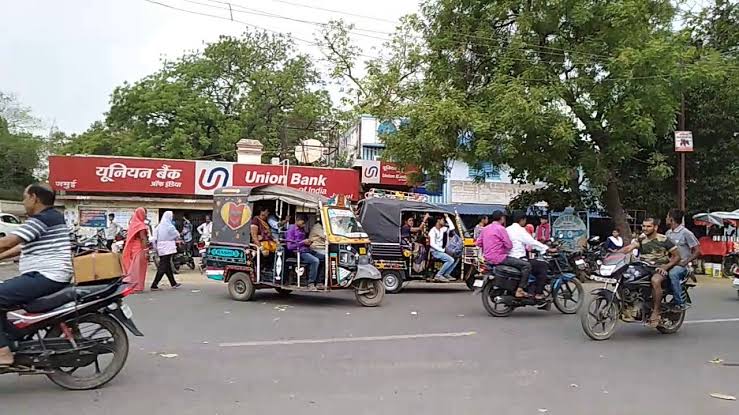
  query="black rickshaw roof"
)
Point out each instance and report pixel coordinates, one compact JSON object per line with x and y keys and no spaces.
{"x":274,"y":192}
{"x":382,"y":218}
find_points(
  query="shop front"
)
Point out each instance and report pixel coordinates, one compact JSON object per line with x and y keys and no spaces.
{"x":90,"y":187}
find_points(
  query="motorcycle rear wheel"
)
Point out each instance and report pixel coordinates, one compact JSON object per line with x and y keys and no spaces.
{"x":118,"y":345}
{"x":596,"y":315}
{"x":489,"y":292}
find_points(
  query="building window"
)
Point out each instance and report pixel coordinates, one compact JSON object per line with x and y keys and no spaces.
{"x":485,"y":171}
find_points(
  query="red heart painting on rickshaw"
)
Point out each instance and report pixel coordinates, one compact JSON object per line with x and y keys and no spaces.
{"x":234,"y":215}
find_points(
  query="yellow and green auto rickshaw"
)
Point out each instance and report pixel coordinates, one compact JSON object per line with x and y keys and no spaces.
{"x":247,"y":265}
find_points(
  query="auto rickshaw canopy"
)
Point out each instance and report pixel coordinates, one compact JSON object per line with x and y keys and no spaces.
{"x":383,"y":217}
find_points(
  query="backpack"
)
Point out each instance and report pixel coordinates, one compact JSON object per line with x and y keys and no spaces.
{"x":454,"y":245}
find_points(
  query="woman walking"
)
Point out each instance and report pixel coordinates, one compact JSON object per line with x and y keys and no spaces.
{"x":166,"y":236}
{"x":136,"y":251}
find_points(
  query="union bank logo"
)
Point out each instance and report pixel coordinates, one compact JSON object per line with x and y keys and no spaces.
{"x":212,"y":175}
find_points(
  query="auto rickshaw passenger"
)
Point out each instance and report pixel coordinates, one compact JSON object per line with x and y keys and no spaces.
{"x":261,"y":234}
{"x":299,"y":243}
{"x":409,"y":232}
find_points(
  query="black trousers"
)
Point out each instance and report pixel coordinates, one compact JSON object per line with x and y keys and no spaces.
{"x":539,"y":270}
{"x":21,"y":290}
{"x":522,"y":265}
{"x":165,"y":267}
{"x":109,"y":244}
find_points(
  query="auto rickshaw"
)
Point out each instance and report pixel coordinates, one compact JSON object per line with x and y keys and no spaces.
{"x":234,"y":258}
{"x":399,"y":260}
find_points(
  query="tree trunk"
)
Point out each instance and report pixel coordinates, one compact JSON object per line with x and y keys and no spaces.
{"x":616,"y":209}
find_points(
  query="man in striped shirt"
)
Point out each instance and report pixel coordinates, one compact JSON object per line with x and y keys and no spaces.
{"x":46,"y":257}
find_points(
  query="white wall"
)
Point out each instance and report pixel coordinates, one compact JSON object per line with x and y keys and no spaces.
{"x":460,"y":171}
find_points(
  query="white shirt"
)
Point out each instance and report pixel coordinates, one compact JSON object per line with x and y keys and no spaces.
{"x":436,"y":236}
{"x":112,"y":230}
{"x":521,"y":239}
{"x":205,"y":230}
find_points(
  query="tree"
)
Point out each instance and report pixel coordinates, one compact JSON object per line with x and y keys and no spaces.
{"x":201,"y":104}
{"x":19,"y":158}
{"x":565,"y":92}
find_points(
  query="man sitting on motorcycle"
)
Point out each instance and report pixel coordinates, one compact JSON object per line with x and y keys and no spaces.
{"x":46,"y":257}
{"x":656,"y":249}
{"x":496,"y":245}
{"x":522,"y":239}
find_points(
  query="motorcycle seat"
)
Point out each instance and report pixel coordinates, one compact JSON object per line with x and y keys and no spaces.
{"x":507,"y":271}
{"x":64,"y":296}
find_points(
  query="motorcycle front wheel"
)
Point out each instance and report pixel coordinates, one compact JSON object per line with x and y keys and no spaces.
{"x":598,"y":319}
{"x":106,"y":358}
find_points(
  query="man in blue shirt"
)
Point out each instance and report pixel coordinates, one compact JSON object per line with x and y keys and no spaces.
{"x":298,"y":242}
{"x":46,"y":257}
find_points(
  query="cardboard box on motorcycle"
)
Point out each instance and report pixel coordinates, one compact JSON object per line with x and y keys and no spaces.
{"x":97,"y":266}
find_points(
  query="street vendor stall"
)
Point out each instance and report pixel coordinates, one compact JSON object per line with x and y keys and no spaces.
{"x":721,"y":238}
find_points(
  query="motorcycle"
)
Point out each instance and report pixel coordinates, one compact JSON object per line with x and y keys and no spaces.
{"x":75,"y":337}
{"x":630,"y":298}
{"x":82,"y":244}
{"x":182,"y":257}
{"x":499,"y":284}
{"x":203,"y":252}
{"x":733,"y":261}
{"x":586,"y":262}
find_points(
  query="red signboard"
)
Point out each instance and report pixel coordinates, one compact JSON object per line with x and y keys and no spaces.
{"x":121,"y":175}
{"x":392,"y":174}
{"x":326,"y":182}
{"x":82,"y":174}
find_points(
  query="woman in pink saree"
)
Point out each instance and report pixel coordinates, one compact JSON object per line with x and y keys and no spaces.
{"x":136,"y":252}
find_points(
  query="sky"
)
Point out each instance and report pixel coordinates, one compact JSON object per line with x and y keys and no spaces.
{"x":64,"y":58}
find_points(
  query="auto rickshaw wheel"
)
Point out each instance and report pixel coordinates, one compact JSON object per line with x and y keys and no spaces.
{"x":393,"y":281}
{"x":240,"y":287}
{"x":369,"y":293}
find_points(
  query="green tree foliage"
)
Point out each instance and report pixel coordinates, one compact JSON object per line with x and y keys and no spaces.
{"x":565,"y":92}
{"x":19,"y":148}
{"x":201,"y":104}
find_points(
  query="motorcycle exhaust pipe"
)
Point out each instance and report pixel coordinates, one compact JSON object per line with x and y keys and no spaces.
{"x":504,"y":299}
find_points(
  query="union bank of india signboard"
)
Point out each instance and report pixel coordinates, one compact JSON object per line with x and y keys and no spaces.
{"x":93,"y":174}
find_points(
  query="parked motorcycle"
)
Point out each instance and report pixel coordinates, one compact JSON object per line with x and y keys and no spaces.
{"x":82,"y":244}
{"x":498,"y":286}
{"x":630,"y":298}
{"x":75,"y":337}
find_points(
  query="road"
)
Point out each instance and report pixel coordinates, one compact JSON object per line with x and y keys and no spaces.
{"x":430,"y":349}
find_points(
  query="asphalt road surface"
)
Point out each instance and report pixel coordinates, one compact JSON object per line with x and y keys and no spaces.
{"x":431,"y":349}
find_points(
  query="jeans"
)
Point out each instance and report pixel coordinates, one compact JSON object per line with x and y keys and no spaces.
{"x":21,"y":290}
{"x":677,"y":274}
{"x":449,"y":263}
{"x":313,"y":259}
{"x":522,"y":265}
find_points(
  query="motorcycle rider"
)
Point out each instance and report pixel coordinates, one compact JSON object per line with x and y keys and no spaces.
{"x":496,"y":245}
{"x":689,"y":249}
{"x":658,"y":250}
{"x":521,"y":239}
{"x":46,"y":256}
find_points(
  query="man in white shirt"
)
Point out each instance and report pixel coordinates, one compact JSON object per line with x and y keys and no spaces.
{"x":111,"y":231}
{"x":436,"y":242}
{"x":521,"y":239}
{"x":205,"y":229}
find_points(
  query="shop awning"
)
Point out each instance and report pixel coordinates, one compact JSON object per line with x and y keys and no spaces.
{"x":478,"y":209}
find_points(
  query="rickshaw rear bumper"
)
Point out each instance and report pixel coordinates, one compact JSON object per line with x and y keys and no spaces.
{"x":367,"y":272}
